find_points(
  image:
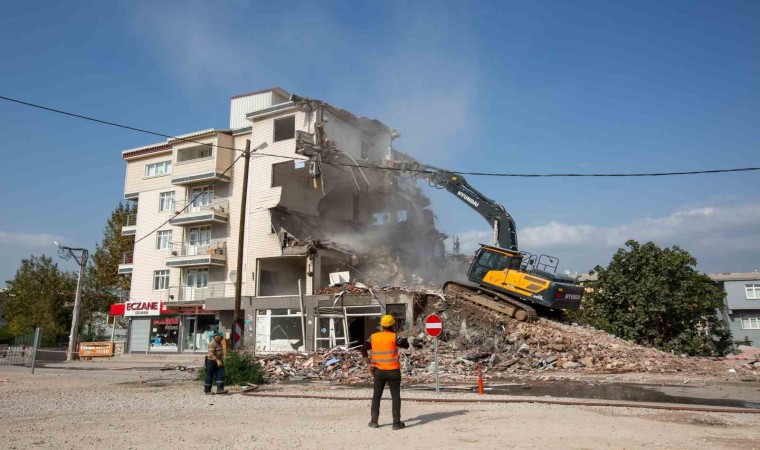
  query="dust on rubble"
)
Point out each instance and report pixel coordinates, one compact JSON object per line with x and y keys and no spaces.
{"x":503,"y":347}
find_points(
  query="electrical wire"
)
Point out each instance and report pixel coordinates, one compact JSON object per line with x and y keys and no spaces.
{"x":420,"y":171}
{"x":188,"y":204}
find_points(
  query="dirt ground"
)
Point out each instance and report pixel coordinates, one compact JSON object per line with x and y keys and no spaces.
{"x":58,"y":408}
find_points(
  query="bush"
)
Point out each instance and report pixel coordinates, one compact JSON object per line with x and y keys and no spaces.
{"x":239,"y":369}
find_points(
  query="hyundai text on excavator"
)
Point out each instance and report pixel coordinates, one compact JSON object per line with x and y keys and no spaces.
{"x":504,"y":279}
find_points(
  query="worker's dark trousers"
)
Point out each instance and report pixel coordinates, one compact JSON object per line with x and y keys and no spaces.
{"x":212,"y":370}
{"x":393,"y":378}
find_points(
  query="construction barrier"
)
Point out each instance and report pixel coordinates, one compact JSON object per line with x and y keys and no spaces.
{"x":95,"y":349}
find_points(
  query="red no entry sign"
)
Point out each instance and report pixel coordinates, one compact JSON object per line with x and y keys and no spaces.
{"x":433,"y":325}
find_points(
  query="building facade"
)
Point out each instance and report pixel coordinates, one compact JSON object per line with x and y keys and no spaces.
{"x":311,"y":180}
{"x":742,"y":304}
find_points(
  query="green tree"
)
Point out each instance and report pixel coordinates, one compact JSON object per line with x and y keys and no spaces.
{"x":103,"y":285}
{"x":38,"y":296}
{"x":654,"y":296}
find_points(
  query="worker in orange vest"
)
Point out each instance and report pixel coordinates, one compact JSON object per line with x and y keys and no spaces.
{"x":385,"y":368}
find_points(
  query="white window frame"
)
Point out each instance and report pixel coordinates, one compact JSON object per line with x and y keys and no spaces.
{"x":750,"y":321}
{"x":752,"y":291}
{"x":166,"y":201}
{"x":201,"y":197}
{"x":164,"y":240}
{"x":200,"y":277}
{"x":161,"y":280}
{"x":158,"y":169}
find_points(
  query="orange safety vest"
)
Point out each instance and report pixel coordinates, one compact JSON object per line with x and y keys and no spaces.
{"x":384,"y":351}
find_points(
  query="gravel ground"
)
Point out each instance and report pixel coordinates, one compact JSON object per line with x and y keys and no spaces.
{"x":152,"y":409}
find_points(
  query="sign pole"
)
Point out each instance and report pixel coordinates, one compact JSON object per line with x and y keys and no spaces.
{"x":434,"y":328}
{"x":437,"y":387}
{"x":36,"y":346}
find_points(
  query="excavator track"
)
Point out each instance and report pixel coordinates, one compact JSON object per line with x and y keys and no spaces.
{"x":492,"y":300}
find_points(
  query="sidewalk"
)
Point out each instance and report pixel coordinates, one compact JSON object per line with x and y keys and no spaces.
{"x":131,"y":361}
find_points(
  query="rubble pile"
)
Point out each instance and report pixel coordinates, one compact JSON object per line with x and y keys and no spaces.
{"x":503,"y":347}
{"x":474,"y":335}
{"x":339,"y":365}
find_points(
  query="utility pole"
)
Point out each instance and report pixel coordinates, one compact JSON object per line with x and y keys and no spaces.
{"x":66,"y":253}
{"x":237,"y":324}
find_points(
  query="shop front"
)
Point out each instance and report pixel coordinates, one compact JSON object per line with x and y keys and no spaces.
{"x":167,"y":328}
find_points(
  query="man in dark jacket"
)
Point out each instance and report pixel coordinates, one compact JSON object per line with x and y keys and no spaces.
{"x":215,"y":365}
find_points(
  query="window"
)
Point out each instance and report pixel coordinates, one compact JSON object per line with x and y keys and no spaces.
{"x":753,"y":291}
{"x":166,"y":201}
{"x":284,"y":128}
{"x":164,"y":334}
{"x":750,"y":321}
{"x":164,"y":240}
{"x":196,"y":278}
{"x":203,"y":196}
{"x":365,"y":150}
{"x":156,"y":169}
{"x":160,"y":280}
{"x":199,"y":237}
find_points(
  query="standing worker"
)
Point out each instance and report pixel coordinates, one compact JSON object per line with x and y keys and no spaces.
{"x":215,"y":365}
{"x":385,"y":368}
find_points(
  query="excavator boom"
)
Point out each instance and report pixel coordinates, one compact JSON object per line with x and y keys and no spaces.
{"x":503,"y":281}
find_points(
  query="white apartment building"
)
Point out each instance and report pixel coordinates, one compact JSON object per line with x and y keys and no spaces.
{"x":186,"y":229}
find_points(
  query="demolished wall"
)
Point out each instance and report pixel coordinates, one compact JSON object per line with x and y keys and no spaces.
{"x":344,"y":199}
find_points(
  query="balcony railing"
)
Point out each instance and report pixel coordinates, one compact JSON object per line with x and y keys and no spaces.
{"x":214,"y":247}
{"x":213,"y":289}
{"x":202,"y":211}
{"x":125,"y":266}
{"x":131,"y":220}
{"x":202,"y":205}
{"x":128,"y":258}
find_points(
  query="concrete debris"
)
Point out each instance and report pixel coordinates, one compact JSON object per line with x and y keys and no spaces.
{"x":504,"y":347}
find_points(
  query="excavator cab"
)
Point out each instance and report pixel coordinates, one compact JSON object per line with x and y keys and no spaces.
{"x":489,"y":259}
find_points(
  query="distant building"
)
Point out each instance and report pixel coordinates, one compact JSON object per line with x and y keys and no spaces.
{"x":742,"y":304}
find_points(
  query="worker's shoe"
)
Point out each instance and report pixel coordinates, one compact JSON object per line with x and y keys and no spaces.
{"x":373,"y":424}
{"x":222,"y":392}
{"x":399,"y":426}
{"x":208,"y":392}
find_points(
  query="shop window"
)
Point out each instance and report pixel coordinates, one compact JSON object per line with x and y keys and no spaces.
{"x":284,"y":128}
{"x":198,"y":332}
{"x":279,"y":330}
{"x":164,"y":334}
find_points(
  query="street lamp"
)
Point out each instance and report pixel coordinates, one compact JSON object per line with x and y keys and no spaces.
{"x":81,"y":259}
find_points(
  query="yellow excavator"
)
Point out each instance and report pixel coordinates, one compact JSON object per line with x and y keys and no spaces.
{"x":503,"y":278}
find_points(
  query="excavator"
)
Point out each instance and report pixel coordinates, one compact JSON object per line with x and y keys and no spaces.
{"x":504,"y":279}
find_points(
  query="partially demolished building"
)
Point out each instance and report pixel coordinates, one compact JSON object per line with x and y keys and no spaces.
{"x":324,"y":206}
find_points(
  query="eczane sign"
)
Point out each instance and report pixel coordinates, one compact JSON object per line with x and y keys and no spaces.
{"x":142,"y":309}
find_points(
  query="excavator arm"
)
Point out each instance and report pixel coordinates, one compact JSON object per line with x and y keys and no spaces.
{"x":504,"y":229}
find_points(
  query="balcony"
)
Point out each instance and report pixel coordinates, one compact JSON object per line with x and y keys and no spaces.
{"x":130,"y":227}
{"x":195,"y":294}
{"x":197,"y":213}
{"x":196,"y":164}
{"x":210,"y":253}
{"x":127,"y":263}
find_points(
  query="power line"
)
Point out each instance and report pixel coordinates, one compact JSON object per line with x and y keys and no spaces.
{"x":187,"y":205}
{"x":422,"y":171}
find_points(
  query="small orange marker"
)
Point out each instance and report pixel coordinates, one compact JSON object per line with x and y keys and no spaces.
{"x":480,"y":380}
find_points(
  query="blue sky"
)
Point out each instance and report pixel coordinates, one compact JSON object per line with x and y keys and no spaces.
{"x":546,"y":86}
